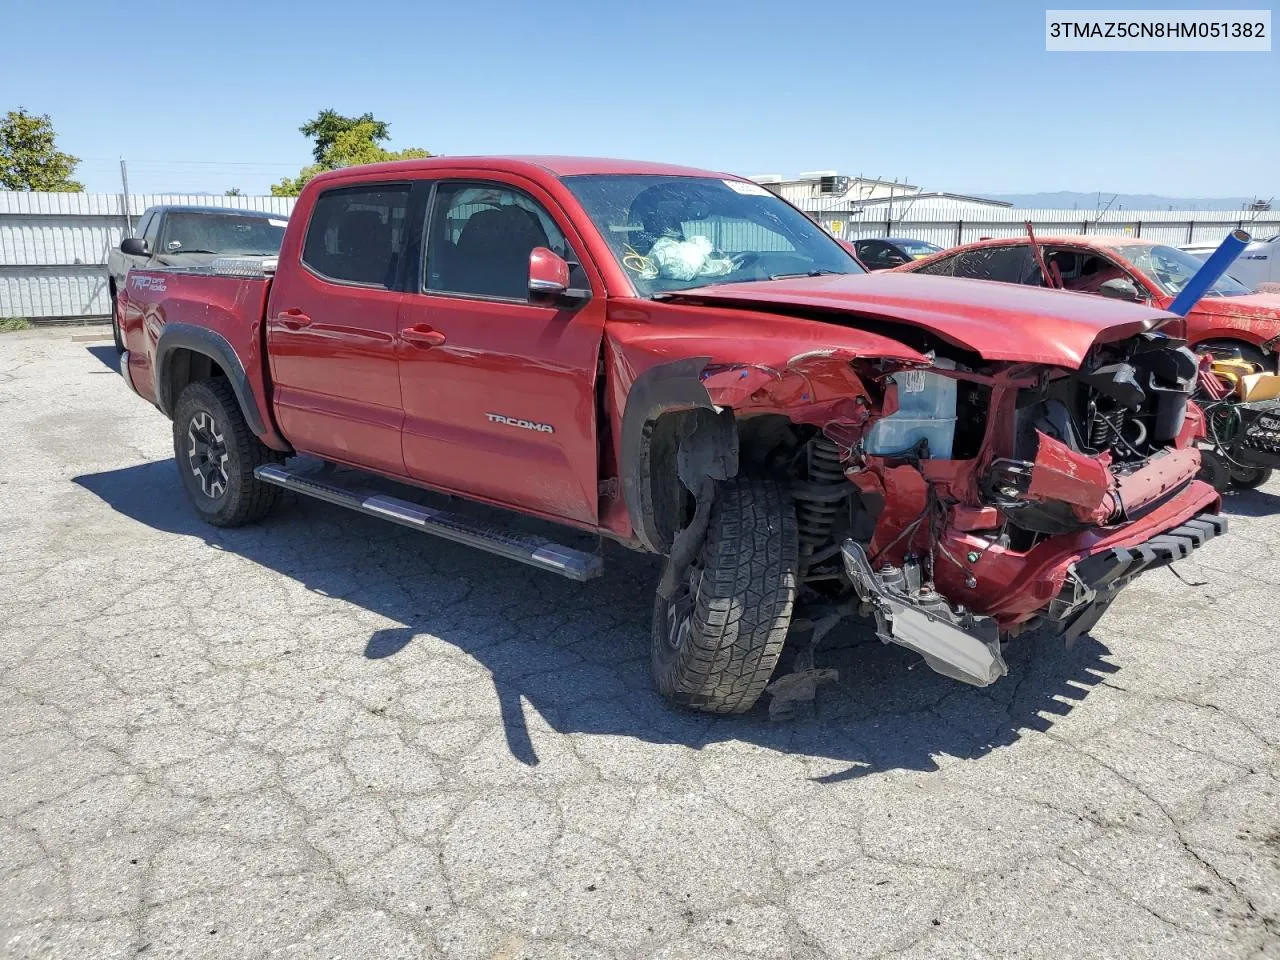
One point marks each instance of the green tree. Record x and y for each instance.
(233, 192)
(343, 142)
(325, 127)
(29, 157)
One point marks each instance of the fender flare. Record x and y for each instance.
(664, 388)
(185, 336)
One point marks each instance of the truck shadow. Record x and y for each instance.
(578, 653)
(1250, 503)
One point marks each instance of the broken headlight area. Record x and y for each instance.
(1092, 447)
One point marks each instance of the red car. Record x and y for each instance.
(1229, 320)
(682, 362)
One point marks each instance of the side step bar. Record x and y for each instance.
(527, 548)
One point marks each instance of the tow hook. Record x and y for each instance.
(954, 642)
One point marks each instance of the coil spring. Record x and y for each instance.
(817, 517)
(1099, 430)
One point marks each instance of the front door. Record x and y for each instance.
(331, 330)
(499, 391)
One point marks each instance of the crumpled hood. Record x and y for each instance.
(998, 321)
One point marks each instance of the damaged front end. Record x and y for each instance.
(959, 502)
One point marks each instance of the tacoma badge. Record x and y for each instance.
(524, 424)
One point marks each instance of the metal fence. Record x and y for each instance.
(949, 227)
(53, 246)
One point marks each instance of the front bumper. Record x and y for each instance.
(1013, 587)
(1094, 582)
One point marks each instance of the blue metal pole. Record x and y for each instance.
(1214, 267)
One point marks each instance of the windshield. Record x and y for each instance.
(677, 233)
(1170, 269)
(222, 233)
(916, 249)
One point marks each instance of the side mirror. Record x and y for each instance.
(548, 274)
(134, 247)
(1120, 289)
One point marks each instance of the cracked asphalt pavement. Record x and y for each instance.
(326, 736)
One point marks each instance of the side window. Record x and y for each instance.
(1006, 264)
(151, 233)
(878, 255)
(946, 267)
(356, 233)
(480, 237)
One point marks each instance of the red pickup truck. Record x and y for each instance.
(682, 362)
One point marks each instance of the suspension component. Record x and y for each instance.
(820, 499)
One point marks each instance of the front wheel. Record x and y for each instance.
(716, 641)
(217, 453)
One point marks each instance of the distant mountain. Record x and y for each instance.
(1073, 200)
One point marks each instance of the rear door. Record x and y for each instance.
(499, 390)
(332, 329)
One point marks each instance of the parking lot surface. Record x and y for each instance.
(327, 736)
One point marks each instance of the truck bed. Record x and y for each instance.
(195, 303)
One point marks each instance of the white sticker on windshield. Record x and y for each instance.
(746, 189)
(278, 223)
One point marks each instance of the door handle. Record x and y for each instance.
(294, 319)
(422, 336)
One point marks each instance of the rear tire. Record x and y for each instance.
(216, 453)
(715, 644)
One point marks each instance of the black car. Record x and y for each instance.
(177, 235)
(881, 253)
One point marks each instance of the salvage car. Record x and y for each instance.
(883, 253)
(1230, 321)
(684, 363)
(172, 234)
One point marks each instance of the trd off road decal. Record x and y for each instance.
(523, 424)
(154, 284)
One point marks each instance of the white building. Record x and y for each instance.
(828, 186)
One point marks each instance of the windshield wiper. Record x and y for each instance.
(806, 273)
(191, 250)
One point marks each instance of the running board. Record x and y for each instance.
(527, 548)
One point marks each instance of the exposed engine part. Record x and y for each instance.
(953, 641)
(1112, 417)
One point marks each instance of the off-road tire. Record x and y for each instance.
(741, 591)
(115, 323)
(243, 498)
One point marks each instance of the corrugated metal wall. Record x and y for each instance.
(950, 224)
(53, 246)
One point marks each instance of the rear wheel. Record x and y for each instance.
(716, 641)
(216, 453)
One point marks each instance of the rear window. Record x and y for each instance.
(356, 234)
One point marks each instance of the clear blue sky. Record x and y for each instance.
(953, 96)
